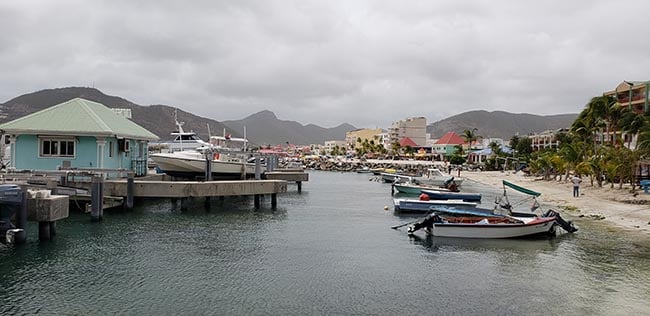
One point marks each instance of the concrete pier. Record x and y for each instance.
(182, 189)
(46, 211)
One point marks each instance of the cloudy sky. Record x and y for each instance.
(367, 63)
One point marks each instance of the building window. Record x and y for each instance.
(53, 147)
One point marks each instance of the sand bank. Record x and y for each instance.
(619, 207)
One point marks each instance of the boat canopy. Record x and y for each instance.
(521, 189)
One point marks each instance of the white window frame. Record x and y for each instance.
(59, 140)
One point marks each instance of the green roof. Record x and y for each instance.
(78, 117)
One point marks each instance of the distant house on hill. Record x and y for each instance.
(446, 145)
(78, 134)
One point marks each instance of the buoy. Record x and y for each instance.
(424, 197)
(385, 207)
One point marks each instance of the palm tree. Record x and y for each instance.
(470, 136)
(633, 123)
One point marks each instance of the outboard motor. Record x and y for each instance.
(11, 200)
(566, 225)
(427, 224)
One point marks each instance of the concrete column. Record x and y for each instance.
(44, 231)
(130, 188)
(97, 198)
(52, 229)
(258, 168)
(21, 220)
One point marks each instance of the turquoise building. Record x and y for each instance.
(77, 134)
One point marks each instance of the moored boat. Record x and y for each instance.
(415, 189)
(486, 227)
(402, 205)
(446, 195)
(435, 177)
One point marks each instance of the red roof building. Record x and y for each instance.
(406, 141)
(450, 138)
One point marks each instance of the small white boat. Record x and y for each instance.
(435, 177)
(486, 227)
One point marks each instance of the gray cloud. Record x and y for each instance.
(328, 62)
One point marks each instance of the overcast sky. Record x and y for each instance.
(326, 62)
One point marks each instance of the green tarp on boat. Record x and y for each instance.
(521, 189)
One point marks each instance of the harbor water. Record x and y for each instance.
(327, 250)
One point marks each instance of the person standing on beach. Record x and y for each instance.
(576, 185)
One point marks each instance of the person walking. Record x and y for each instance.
(576, 185)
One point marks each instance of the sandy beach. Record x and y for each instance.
(617, 207)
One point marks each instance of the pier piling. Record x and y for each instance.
(257, 201)
(130, 187)
(274, 201)
(44, 232)
(21, 220)
(97, 199)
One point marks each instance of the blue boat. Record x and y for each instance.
(420, 206)
(446, 195)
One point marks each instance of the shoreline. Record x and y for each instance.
(614, 206)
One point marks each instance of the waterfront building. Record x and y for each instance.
(545, 139)
(352, 138)
(414, 128)
(633, 95)
(446, 145)
(79, 134)
(331, 144)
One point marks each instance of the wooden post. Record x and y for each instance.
(97, 199)
(274, 201)
(130, 188)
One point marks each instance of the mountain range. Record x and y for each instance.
(264, 127)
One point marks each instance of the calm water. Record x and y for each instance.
(328, 250)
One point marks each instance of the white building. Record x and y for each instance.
(331, 144)
(414, 128)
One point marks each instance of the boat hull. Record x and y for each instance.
(536, 226)
(419, 206)
(192, 167)
(440, 195)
